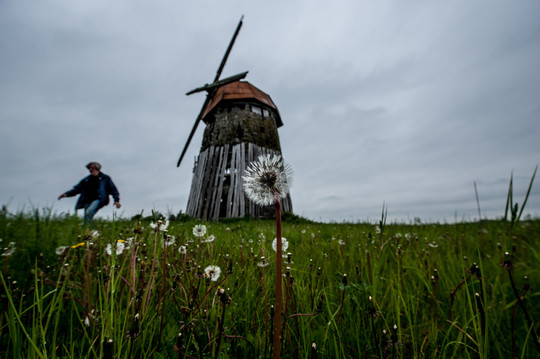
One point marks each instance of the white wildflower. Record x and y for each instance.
(199, 230)
(169, 241)
(9, 250)
(209, 239)
(284, 244)
(119, 248)
(267, 178)
(263, 263)
(182, 249)
(61, 250)
(160, 225)
(212, 272)
(128, 242)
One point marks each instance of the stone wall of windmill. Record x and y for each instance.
(238, 134)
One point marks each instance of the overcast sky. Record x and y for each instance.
(405, 103)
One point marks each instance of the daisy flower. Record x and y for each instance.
(182, 249)
(267, 178)
(284, 244)
(212, 272)
(199, 230)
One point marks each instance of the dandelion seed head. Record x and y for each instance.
(284, 244)
(9, 250)
(118, 249)
(160, 225)
(199, 230)
(212, 272)
(169, 241)
(263, 263)
(210, 239)
(60, 250)
(267, 177)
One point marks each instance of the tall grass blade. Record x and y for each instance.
(527, 195)
(509, 199)
(477, 203)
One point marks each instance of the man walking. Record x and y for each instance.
(94, 192)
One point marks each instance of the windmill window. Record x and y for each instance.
(266, 113)
(256, 110)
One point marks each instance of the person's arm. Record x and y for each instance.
(114, 193)
(74, 191)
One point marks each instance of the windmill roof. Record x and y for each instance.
(240, 90)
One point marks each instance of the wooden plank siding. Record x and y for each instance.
(217, 188)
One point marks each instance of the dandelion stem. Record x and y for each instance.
(524, 310)
(276, 341)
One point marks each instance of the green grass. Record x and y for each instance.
(410, 291)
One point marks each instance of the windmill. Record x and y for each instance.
(241, 124)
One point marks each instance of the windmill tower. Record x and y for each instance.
(241, 124)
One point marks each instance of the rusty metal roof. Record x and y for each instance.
(240, 90)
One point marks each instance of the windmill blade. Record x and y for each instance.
(222, 65)
(206, 101)
(219, 83)
(211, 88)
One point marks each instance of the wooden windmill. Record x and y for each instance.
(241, 124)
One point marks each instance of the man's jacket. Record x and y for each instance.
(106, 187)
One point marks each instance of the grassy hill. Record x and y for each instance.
(140, 288)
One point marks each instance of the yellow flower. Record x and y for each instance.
(78, 245)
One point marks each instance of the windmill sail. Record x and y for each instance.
(210, 89)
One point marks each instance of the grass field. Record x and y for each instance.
(131, 289)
